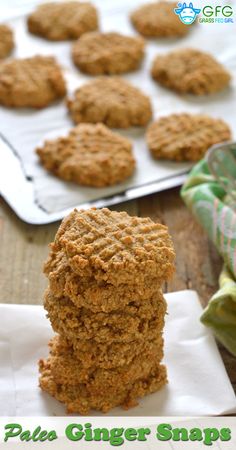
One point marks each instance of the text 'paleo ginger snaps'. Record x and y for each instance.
(112, 101)
(91, 155)
(63, 20)
(190, 71)
(114, 247)
(158, 19)
(31, 82)
(6, 41)
(107, 53)
(185, 137)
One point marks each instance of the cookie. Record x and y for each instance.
(115, 247)
(112, 101)
(6, 41)
(190, 71)
(66, 369)
(91, 294)
(158, 20)
(107, 53)
(32, 82)
(185, 137)
(109, 355)
(63, 20)
(79, 398)
(133, 323)
(91, 155)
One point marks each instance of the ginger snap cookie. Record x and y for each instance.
(190, 71)
(117, 326)
(6, 41)
(112, 101)
(88, 293)
(82, 397)
(158, 20)
(66, 369)
(109, 355)
(63, 20)
(114, 247)
(185, 137)
(91, 155)
(31, 82)
(107, 53)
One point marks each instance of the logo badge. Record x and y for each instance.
(187, 13)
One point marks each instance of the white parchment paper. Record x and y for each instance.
(198, 383)
(25, 129)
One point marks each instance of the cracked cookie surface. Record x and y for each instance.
(185, 137)
(66, 369)
(112, 101)
(90, 293)
(63, 20)
(107, 53)
(79, 398)
(190, 71)
(110, 355)
(132, 323)
(90, 155)
(31, 82)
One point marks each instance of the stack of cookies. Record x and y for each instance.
(104, 300)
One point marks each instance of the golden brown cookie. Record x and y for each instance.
(107, 53)
(66, 369)
(63, 20)
(81, 399)
(190, 71)
(158, 19)
(91, 294)
(32, 82)
(114, 247)
(112, 101)
(90, 155)
(6, 41)
(109, 355)
(132, 323)
(185, 137)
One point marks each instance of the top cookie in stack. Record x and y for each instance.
(115, 248)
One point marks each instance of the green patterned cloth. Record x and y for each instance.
(208, 202)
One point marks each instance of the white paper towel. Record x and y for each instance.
(24, 129)
(198, 383)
